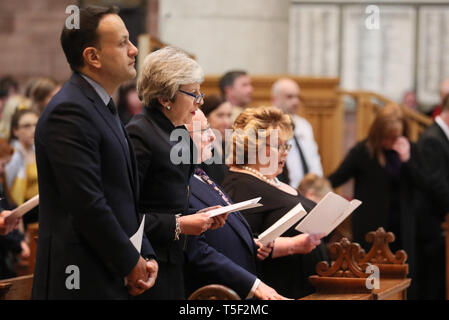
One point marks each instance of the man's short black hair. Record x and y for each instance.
(227, 80)
(74, 41)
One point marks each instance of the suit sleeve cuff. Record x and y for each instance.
(253, 289)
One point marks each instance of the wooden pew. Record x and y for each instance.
(346, 277)
(446, 236)
(214, 292)
(18, 288)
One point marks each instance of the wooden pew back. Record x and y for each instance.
(18, 288)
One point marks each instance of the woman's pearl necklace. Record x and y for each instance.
(275, 181)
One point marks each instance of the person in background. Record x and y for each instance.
(12, 240)
(21, 171)
(314, 187)
(8, 87)
(444, 94)
(218, 113)
(294, 255)
(433, 145)
(388, 179)
(409, 100)
(41, 92)
(128, 103)
(237, 89)
(303, 157)
(14, 103)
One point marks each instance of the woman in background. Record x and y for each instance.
(12, 243)
(21, 171)
(218, 113)
(387, 177)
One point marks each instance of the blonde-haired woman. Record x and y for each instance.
(259, 153)
(169, 87)
(387, 177)
(12, 104)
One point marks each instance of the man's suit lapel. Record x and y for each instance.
(110, 121)
(204, 192)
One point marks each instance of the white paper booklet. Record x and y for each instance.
(25, 207)
(248, 204)
(136, 239)
(283, 224)
(327, 214)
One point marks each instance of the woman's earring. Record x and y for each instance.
(168, 107)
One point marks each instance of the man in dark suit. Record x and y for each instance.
(87, 173)
(226, 255)
(434, 148)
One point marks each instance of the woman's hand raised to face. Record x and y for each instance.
(402, 147)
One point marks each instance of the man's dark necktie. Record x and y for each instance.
(305, 167)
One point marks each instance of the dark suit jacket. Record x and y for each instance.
(434, 149)
(88, 192)
(164, 185)
(226, 255)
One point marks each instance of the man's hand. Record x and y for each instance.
(141, 277)
(263, 251)
(7, 222)
(264, 292)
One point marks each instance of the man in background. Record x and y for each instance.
(236, 88)
(303, 157)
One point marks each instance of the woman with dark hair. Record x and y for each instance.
(385, 167)
(128, 103)
(219, 115)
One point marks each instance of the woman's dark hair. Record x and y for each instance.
(74, 41)
(211, 103)
(18, 114)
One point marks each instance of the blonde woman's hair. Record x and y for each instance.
(253, 127)
(163, 72)
(12, 104)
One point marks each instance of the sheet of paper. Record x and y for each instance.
(244, 205)
(327, 214)
(283, 224)
(352, 206)
(24, 208)
(136, 239)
